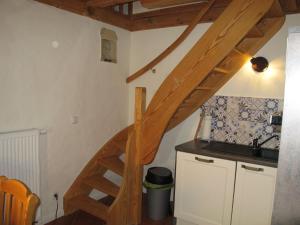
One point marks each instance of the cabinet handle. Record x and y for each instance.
(204, 160)
(253, 168)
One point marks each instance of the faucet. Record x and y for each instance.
(257, 146)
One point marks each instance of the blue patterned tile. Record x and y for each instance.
(271, 105)
(221, 102)
(240, 119)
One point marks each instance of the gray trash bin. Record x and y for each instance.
(158, 182)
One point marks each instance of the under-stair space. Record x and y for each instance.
(242, 29)
(99, 183)
(93, 178)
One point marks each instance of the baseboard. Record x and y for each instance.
(50, 217)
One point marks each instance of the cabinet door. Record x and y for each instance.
(204, 189)
(254, 194)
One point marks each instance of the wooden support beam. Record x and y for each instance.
(130, 9)
(275, 10)
(111, 17)
(74, 6)
(181, 9)
(169, 11)
(166, 17)
(150, 4)
(105, 15)
(173, 46)
(121, 9)
(173, 19)
(289, 5)
(175, 16)
(106, 3)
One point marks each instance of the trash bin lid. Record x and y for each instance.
(159, 175)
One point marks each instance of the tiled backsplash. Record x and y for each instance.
(240, 119)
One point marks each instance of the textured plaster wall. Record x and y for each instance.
(50, 70)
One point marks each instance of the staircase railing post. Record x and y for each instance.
(136, 186)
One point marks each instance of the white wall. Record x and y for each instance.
(42, 86)
(148, 44)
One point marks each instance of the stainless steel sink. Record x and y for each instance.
(242, 150)
(270, 154)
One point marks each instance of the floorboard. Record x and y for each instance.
(82, 218)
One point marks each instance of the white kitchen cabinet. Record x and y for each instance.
(205, 187)
(204, 190)
(254, 194)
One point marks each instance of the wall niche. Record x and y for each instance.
(108, 45)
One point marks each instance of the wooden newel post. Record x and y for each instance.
(136, 190)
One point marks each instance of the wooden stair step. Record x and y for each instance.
(115, 147)
(183, 106)
(120, 144)
(237, 50)
(276, 9)
(113, 163)
(255, 32)
(203, 88)
(90, 206)
(102, 184)
(221, 70)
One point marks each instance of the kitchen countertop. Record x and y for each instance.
(234, 152)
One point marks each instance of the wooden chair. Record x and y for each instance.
(17, 204)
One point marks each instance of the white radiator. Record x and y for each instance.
(19, 158)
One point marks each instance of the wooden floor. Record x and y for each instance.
(82, 218)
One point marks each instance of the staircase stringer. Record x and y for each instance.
(215, 45)
(119, 211)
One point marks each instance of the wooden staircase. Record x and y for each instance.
(243, 28)
(92, 177)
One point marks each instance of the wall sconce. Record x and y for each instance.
(259, 64)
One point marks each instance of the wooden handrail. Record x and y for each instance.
(173, 46)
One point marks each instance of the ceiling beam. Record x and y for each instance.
(150, 4)
(106, 3)
(289, 5)
(175, 16)
(166, 17)
(111, 17)
(275, 10)
(181, 9)
(74, 6)
(105, 15)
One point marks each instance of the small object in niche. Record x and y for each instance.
(108, 46)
